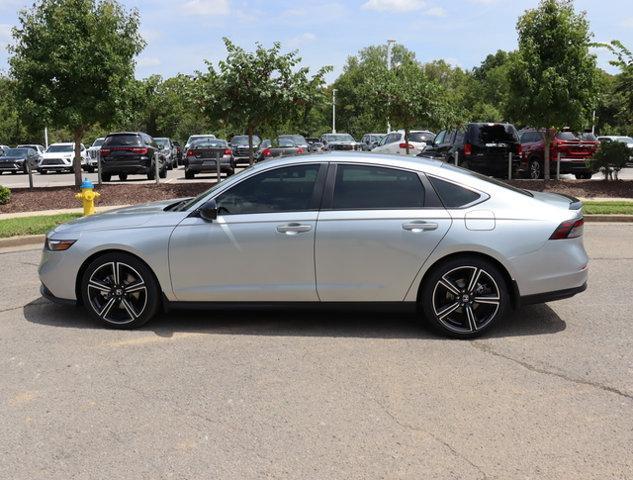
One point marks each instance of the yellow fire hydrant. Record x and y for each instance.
(87, 197)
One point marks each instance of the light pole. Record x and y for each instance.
(389, 45)
(334, 110)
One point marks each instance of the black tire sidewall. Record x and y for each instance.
(153, 292)
(426, 293)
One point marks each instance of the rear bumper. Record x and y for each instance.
(209, 167)
(552, 296)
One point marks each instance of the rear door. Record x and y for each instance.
(376, 228)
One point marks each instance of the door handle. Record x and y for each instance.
(417, 226)
(294, 228)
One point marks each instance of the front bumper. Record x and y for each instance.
(11, 167)
(48, 295)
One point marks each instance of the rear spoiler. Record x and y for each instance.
(575, 203)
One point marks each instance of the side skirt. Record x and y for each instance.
(403, 307)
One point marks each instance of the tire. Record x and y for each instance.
(90, 169)
(189, 174)
(123, 177)
(535, 169)
(120, 291)
(583, 176)
(230, 172)
(452, 308)
(106, 177)
(162, 173)
(43, 172)
(170, 166)
(151, 175)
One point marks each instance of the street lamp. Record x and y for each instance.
(334, 110)
(389, 45)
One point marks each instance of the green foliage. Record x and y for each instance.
(257, 90)
(610, 157)
(37, 225)
(72, 61)
(5, 195)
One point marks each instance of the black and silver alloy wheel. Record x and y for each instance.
(120, 291)
(535, 170)
(464, 298)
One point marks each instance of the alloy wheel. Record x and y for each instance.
(466, 299)
(535, 170)
(117, 293)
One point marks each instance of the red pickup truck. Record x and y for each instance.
(575, 152)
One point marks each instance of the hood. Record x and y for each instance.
(123, 218)
(558, 200)
(58, 154)
(12, 158)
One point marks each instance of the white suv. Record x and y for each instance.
(58, 157)
(394, 142)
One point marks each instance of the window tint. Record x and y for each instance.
(449, 137)
(459, 138)
(482, 135)
(421, 137)
(452, 195)
(122, 140)
(392, 138)
(366, 187)
(440, 137)
(286, 189)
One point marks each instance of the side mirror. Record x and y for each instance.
(209, 211)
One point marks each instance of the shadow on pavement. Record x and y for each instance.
(531, 320)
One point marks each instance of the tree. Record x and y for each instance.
(406, 97)
(256, 90)
(553, 75)
(610, 158)
(72, 61)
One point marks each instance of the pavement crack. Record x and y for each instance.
(533, 368)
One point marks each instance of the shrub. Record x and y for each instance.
(5, 195)
(610, 158)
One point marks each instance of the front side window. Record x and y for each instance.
(440, 138)
(360, 187)
(287, 189)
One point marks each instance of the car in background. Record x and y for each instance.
(480, 147)
(282, 146)
(4, 148)
(394, 143)
(371, 140)
(340, 142)
(19, 159)
(178, 153)
(458, 249)
(35, 146)
(92, 162)
(126, 153)
(619, 138)
(315, 145)
(197, 137)
(169, 151)
(204, 155)
(59, 157)
(299, 140)
(574, 153)
(239, 145)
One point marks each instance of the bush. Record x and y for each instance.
(610, 158)
(5, 195)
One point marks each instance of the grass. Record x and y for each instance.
(13, 227)
(608, 208)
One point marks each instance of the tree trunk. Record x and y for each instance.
(78, 134)
(549, 135)
(250, 146)
(406, 139)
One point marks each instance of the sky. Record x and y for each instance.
(181, 34)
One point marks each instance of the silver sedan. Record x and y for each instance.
(326, 231)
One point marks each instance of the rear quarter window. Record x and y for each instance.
(453, 195)
(122, 140)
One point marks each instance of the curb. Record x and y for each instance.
(609, 218)
(22, 241)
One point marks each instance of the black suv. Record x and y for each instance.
(481, 147)
(131, 153)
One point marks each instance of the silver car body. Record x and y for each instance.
(251, 258)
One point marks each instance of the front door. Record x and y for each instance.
(374, 234)
(260, 248)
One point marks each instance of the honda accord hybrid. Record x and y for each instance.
(327, 231)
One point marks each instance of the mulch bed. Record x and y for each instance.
(48, 198)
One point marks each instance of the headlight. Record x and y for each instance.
(58, 245)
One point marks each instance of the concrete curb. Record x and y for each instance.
(609, 218)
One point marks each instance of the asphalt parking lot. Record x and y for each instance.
(173, 176)
(548, 394)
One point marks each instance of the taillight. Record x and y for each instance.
(519, 150)
(404, 145)
(300, 151)
(468, 149)
(140, 150)
(569, 229)
(104, 151)
(190, 153)
(228, 151)
(266, 152)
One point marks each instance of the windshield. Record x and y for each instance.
(60, 149)
(494, 181)
(98, 142)
(16, 152)
(483, 135)
(568, 136)
(208, 143)
(421, 137)
(242, 140)
(338, 137)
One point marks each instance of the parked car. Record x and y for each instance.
(203, 155)
(59, 157)
(574, 153)
(617, 138)
(179, 155)
(239, 145)
(299, 141)
(340, 141)
(382, 231)
(126, 153)
(4, 148)
(92, 162)
(40, 149)
(282, 146)
(315, 145)
(197, 137)
(371, 140)
(480, 147)
(169, 151)
(394, 143)
(17, 160)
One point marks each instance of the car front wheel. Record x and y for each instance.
(120, 291)
(464, 297)
(535, 170)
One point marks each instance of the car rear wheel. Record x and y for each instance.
(43, 172)
(535, 170)
(464, 297)
(162, 173)
(106, 177)
(123, 177)
(120, 291)
(189, 174)
(583, 176)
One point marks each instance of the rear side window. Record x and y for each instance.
(482, 135)
(122, 140)
(453, 195)
(421, 137)
(360, 187)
